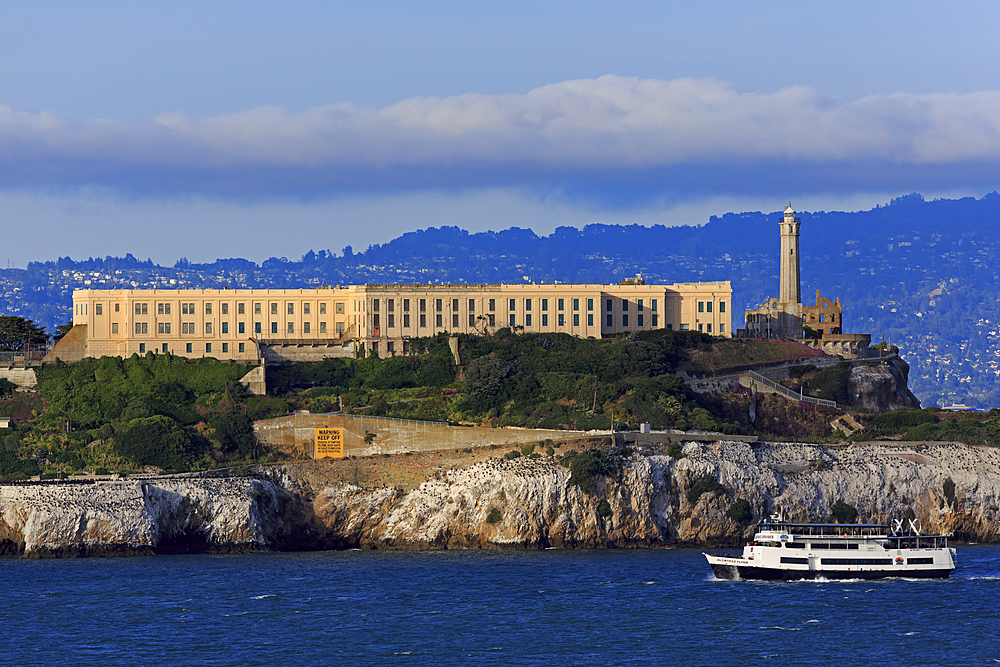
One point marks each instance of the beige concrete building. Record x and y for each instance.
(307, 324)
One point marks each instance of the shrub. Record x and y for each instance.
(707, 483)
(513, 454)
(550, 452)
(493, 516)
(102, 471)
(949, 490)
(604, 509)
(675, 451)
(585, 467)
(901, 420)
(740, 511)
(158, 441)
(526, 450)
(844, 513)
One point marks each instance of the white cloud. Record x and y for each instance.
(610, 122)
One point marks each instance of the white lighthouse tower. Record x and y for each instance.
(790, 287)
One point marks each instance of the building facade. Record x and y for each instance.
(245, 325)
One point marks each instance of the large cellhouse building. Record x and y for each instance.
(309, 324)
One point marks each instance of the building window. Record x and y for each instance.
(243, 348)
(513, 305)
(98, 310)
(256, 328)
(322, 327)
(140, 309)
(527, 320)
(708, 328)
(340, 327)
(576, 304)
(376, 322)
(274, 327)
(472, 305)
(114, 327)
(184, 328)
(339, 309)
(225, 327)
(306, 309)
(638, 320)
(545, 304)
(609, 308)
(116, 307)
(562, 320)
(624, 306)
(576, 319)
(701, 327)
(438, 320)
(454, 304)
(722, 327)
(624, 320)
(208, 327)
(492, 304)
(242, 329)
(184, 309)
(208, 309)
(454, 321)
(438, 305)
(638, 305)
(511, 324)
(375, 347)
(652, 305)
(322, 309)
(559, 304)
(472, 320)
(611, 321)
(392, 320)
(406, 320)
(655, 318)
(141, 328)
(590, 304)
(163, 309)
(291, 327)
(208, 348)
(685, 327)
(291, 308)
(165, 347)
(491, 318)
(406, 305)
(708, 307)
(423, 320)
(590, 320)
(164, 327)
(306, 328)
(390, 347)
(545, 317)
(406, 347)
(225, 348)
(374, 305)
(423, 305)
(701, 306)
(722, 307)
(390, 305)
(225, 309)
(142, 348)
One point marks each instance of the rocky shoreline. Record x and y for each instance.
(485, 501)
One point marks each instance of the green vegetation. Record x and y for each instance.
(18, 334)
(493, 516)
(707, 483)
(587, 466)
(844, 513)
(604, 509)
(740, 511)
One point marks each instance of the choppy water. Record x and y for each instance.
(493, 608)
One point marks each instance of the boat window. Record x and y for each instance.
(796, 561)
(795, 545)
(838, 545)
(919, 561)
(856, 561)
(852, 546)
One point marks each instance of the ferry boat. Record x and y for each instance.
(784, 550)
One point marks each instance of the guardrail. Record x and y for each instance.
(782, 389)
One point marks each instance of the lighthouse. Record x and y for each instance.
(790, 288)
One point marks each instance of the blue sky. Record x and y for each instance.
(254, 129)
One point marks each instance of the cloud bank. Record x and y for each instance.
(610, 137)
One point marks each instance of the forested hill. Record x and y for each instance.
(923, 273)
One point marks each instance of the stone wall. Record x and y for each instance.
(294, 434)
(22, 377)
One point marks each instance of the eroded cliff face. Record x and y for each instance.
(144, 517)
(952, 489)
(648, 498)
(883, 387)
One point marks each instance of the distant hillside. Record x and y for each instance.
(923, 273)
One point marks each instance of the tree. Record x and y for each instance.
(18, 334)
(62, 330)
(485, 376)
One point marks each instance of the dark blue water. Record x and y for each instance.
(493, 608)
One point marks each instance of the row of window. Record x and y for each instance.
(189, 348)
(706, 306)
(189, 308)
(190, 328)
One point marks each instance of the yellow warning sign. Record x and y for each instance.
(329, 443)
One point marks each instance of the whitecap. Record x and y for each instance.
(261, 597)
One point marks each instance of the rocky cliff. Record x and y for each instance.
(525, 502)
(882, 387)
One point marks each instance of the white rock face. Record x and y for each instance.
(144, 516)
(649, 504)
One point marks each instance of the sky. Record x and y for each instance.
(257, 129)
